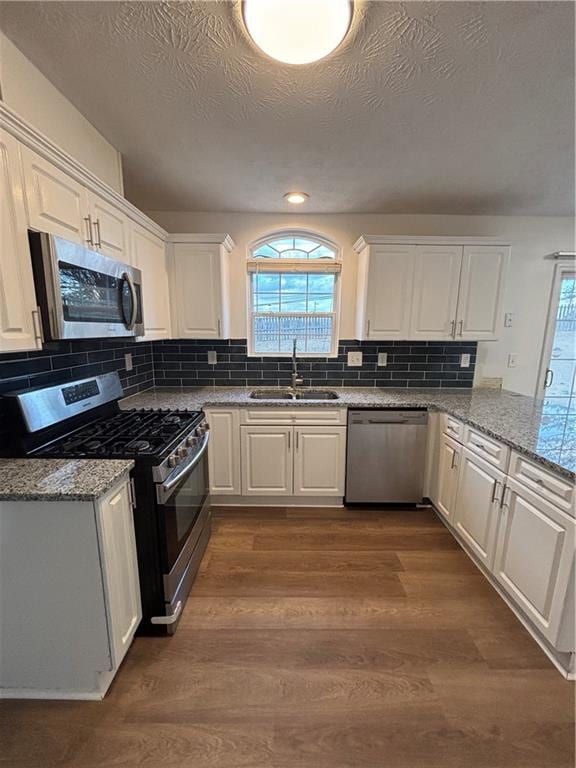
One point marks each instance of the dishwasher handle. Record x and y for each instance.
(415, 417)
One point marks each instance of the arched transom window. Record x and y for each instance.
(293, 295)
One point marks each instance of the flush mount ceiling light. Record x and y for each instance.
(297, 31)
(296, 198)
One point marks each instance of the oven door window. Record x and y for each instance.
(91, 297)
(179, 512)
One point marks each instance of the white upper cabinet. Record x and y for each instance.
(19, 329)
(200, 286)
(481, 292)
(149, 256)
(110, 229)
(429, 288)
(435, 291)
(56, 203)
(385, 278)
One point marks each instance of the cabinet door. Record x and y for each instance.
(267, 461)
(17, 295)
(481, 292)
(110, 229)
(149, 256)
(535, 556)
(449, 461)
(120, 569)
(319, 461)
(224, 451)
(197, 282)
(56, 203)
(477, 505)
(436, 279)
(389, 291)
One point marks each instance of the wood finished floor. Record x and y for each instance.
(320, 639)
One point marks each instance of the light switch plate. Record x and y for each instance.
(212, 357)
(354, 359)
(465, 361)
(382, 359)
(512, 360)
(128, 361)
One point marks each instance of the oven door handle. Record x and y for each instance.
(175, 479)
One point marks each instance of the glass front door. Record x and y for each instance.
(557, 384)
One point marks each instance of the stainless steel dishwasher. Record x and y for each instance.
(386, 455)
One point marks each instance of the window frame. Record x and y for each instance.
(288, 266)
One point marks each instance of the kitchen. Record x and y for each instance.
(287, 383)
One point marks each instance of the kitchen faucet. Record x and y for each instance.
(296, 379)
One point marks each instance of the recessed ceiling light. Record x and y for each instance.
(296, 198)
(297, 31)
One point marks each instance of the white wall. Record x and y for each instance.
(528, 286)
(33, 97)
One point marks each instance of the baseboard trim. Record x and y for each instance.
(222, 500)
(565, 662)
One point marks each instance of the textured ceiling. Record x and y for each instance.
(434, 107)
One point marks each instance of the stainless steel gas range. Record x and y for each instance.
(82, 419)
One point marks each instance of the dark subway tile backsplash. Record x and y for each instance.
(184, 363)
(67, 360)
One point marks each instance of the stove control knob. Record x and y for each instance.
(191, 441)
(200, 430)
(172, 460)
(182, 452)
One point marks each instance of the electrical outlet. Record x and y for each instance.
(465, 361)
(508, 320)
(382, 359)
(128, 361)
(512, 359)
(354, 359)
(212, 357)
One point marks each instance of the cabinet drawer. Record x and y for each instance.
(296, 416)
(451, 427)
(491, 450)
(549, 486)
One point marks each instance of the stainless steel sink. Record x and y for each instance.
(270, 394)
(302, 394)
(316, 394)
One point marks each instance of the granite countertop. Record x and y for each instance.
(540, 431)
(59, 479)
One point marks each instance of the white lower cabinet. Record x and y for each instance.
(477, 505)
(299, 460)
(535, 557)
(224, 451)
(319, 461)
(74, 600)
(267, 463)
(119, 569)
(448, 467)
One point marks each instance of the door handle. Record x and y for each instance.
(98, 242)
(452, 328)
(134, 295)
(549, 378)
(495, 491)
(168, 619)
(88, 220)
(38, 334)
(460, 326)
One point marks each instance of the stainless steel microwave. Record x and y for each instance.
(83, 294)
